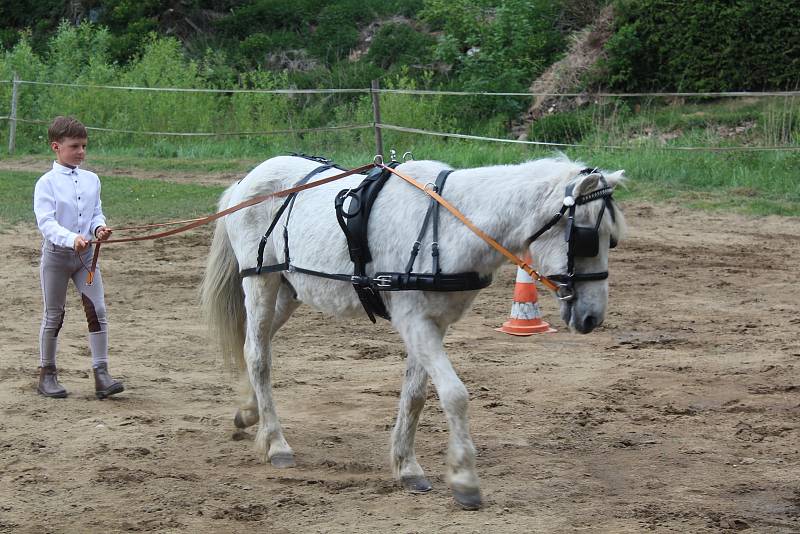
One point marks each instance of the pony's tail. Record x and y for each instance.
(221, 294)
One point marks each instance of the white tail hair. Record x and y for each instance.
(221, 294)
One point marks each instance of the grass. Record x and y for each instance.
(755, 183)
(125, 200)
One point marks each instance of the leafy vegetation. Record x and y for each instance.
(715, 45)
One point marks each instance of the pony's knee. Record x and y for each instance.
(454, 397)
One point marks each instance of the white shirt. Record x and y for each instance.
(66, 202)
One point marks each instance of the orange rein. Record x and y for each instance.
(519, 262)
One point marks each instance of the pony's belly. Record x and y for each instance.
(331, 297)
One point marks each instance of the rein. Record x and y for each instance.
(194, 223)
(519, 262)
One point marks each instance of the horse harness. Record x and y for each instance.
(583, 241)
(353, 208)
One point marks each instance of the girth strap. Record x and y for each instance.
(431, 282)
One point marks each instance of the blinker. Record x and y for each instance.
(584, 242)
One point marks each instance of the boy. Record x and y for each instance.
(66, 202)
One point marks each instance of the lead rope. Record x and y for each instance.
(516, 260)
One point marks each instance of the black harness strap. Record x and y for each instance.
(433, 209)
(353, 221)
(289, 202)
(468, 281)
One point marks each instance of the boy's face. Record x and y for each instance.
(70, 151)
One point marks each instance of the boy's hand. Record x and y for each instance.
(102, 233)
(80, 244)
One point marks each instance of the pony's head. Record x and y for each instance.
(572, 248)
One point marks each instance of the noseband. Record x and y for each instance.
(583, 241)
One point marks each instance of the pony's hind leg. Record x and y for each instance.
(286, 304)
(260, 302)
(423, 339)
(412, 401)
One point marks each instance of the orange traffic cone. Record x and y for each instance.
(526, 318)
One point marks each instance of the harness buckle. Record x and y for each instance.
(383, 281)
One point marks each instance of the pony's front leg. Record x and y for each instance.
(423, 340)
(412, 401)
(260, 296)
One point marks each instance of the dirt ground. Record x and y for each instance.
(680, 414)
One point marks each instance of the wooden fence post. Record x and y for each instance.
(376, 116)
(12, 119)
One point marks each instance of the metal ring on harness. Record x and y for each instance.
(569, 292)
(378, 159)
(353, 200)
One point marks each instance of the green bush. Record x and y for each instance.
(337, 32)
(716, 45)
(566, 127)
(495, 46)
(400, 43)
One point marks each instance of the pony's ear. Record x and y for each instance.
(587, 184)
(616, 178)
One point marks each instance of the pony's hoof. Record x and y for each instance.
(416, 484)
(282, 461)
(469, 499)
(240, 422)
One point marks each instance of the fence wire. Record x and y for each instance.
(404, 129)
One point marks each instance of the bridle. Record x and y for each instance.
(582, 241)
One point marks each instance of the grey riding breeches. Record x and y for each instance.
(57, 266)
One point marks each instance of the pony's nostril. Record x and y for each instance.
(589, 323)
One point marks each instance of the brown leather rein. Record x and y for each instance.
(194, 223)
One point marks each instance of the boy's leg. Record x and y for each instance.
(54, 274)
(93, 299)
(94, 305)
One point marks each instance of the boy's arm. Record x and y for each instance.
(98, 219)
(44, 207)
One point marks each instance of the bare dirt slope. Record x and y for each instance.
(679, 415)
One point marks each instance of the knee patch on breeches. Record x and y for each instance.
(59, 324)
(92, 316)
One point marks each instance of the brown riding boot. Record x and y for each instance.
(48, 383)
(104, 385)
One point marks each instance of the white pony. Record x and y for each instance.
(508, 202)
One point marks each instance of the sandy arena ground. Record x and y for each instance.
(680, 414)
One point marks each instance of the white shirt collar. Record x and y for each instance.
(63, 169)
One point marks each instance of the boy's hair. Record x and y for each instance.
(62, 127)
